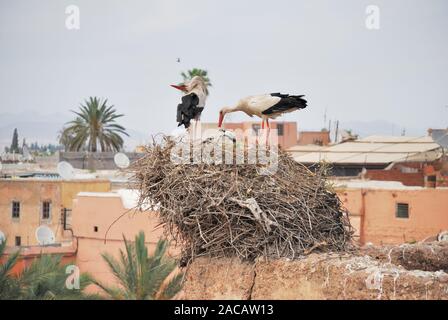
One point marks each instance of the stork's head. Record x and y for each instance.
(195, 83)
(222, 113)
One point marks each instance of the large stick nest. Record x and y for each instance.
(233, 210)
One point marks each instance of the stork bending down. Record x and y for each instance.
(266, 106)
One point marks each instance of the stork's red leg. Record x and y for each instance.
(269, 131)
(262, 124)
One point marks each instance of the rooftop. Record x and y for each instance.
(373, 184)
(129, 197)
(372, 150)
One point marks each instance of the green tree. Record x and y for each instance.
(43, 279)
(66, 137)
(9, 286)
(94, 127)
(186, 76)
(15, 142)
(142, 276)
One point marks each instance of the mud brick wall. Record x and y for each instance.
(319, 276)
(408, 179)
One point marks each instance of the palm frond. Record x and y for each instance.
(140, 275)
(172, 288)
(94, 126)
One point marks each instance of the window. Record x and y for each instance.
(280, 129)
(15, 208)
(402, 210)
(95, 228)
(46, 210)
(18, 241)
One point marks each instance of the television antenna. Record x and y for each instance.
(45, 235)
(121, 160)
(66, 170)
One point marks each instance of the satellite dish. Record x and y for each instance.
(440, 136)
(65, 170)
(121, 160)
(442, 236)
(2, 237)
(44, 235)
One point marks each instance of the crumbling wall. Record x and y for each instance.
(420, 256)
(228, 279)
(318, 276)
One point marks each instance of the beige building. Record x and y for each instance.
(370, 153)
(320, 138)
(28, 203)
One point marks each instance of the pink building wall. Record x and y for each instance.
(107, 211)
(372, 213)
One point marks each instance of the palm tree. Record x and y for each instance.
(9, 287)
(94, 126)
(197, 72)
(43, 279)
(66, 136)
(142, 276)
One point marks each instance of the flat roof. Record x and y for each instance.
(372, 150)
(372, 184)
(396, 139)
(129, 197)
(306, 148)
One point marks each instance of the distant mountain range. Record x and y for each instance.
(41, 128)
(379, 127)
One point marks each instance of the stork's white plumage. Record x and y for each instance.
(193, 100)
(266, 106)
(197, 86)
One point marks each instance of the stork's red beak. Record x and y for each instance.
(221, 118)
(181, 87)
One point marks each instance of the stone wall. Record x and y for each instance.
(94, 160)
(318, 276)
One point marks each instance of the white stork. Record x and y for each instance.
(266, 106)
(193, 101)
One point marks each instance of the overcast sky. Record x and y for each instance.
(127, 51)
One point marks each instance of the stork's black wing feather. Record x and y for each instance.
(188, 109)
(287, 103)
